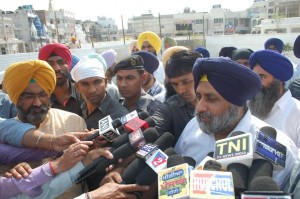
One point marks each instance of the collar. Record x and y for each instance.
(244, 124)
(177, 101)
(103, 107)
(154, 87)
(73, 92)
(283, 100)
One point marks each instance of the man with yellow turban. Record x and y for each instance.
(151, 42)
(29, 85)
(65, 96)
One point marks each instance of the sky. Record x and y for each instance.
(90, 9)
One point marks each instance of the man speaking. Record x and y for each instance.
(222, 89)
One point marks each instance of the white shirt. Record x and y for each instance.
(197, 144)
(159, 74)
(285, 116)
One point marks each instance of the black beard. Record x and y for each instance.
(262, 104)
(31, 117)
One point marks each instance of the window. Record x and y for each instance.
(218, 20)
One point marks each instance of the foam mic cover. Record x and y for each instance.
(240, 174)
(165, 141)
(212, 165)
(150, 121)
(190, 161)
(170, 151)
(270, 131)
(263, 183)
(210, 154)
(260, 167)
(174, 160)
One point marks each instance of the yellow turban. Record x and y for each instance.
(18, 75)
(152, 38)
(169, 52)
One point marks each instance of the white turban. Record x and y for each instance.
(86, 68)
(110, 57)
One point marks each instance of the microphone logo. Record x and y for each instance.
(159, 159)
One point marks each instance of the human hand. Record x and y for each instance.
(95, 154)
(20, 170)
(62, 142)
(113, 176)
(113, 190)
(71, 156)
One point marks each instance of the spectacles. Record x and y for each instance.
(59, 62)
(30, 97)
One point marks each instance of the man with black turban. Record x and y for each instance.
(274, 103)
(65, 96)
(222, 89)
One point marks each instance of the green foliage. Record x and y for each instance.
(287, 47)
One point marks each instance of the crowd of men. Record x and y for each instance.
(49, 106)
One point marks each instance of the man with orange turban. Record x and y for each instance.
(29, 85)
(65, 96)
(151, 42)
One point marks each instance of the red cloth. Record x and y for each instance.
(56, 48)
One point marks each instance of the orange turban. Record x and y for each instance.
(152, 38)
(18, 75)
(58, 49)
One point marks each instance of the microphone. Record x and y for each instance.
(190, 161)
(212, 165)
(137, 123)
(260, 168)
(207, 158)
(240, 173)
(238, 148)
(123, 151)
(107, 130)
(268, 148)
(123, 120)
(264, 187)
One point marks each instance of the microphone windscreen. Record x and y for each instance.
(132, 170)
(263, 183)
(170, 151)
(165, 141)
(150, 121)
(210, 154)
(151, 134)
(116, 123)
(190, 161)
(236, 133)
(270, 131)
(260, 167)
(212, 165)
(240, 174)
(143, 115)
(174, 160)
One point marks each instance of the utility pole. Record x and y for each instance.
(58, 40)
(203, 25)
(159, 30)
(123, 29)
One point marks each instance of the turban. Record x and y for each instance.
(203, 51)
(86, 68)
(243, 53)
(170, 41)
(152, 38)
(100, 59)
(233, 81)
(73, 38)
(276, 42)
(18, 76)
(75, 60)
(151, 63)
(132, 44)
(58, 49)
(110, 57)
(226, 51)
(169, 52)
(130, 63)
(274, 63)
(297, 47)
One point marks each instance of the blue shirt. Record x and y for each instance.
(7, 108)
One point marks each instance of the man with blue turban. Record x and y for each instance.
(222, 89)
(274, 44)
(274, 103)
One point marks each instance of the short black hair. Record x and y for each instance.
(181, 63)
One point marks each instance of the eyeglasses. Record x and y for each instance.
(30, 97)
(59, 62)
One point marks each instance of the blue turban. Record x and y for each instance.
(203, 51)
(297, 47)
(274, 63)
(233, 81)
(276, 42)
(151, 62)
(75, 60)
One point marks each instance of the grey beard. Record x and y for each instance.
(262, 104)
(218, 123)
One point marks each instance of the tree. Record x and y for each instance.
(187, 10)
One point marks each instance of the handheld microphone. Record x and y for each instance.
(123, 120)
(207, 158)
(240, 173)
(268, 148)
(107, 130)
(212, 165)
(123, 151)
